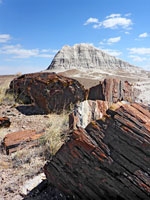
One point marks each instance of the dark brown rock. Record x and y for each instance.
(18, 140)
(48, 91)
(4, 122)
(110, 159)
(112, 90)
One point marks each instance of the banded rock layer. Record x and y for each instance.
(112, 90)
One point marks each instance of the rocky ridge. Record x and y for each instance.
(87, 56)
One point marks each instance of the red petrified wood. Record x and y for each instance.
(109, 159)
(18, 140)
(48, 91)
(112, 90)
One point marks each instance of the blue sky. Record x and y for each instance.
(31, 31)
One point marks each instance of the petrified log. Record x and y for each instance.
(18, 140)
(4, 122)
(87, 111)
(112, 90)
(110, 159)
(49, 91)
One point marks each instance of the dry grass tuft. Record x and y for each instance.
(56, 133)
(4, 95)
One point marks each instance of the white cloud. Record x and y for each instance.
(139, 51)
(146, 67)
(112, 21)
(137, 58)
(91, 20)
(45, 56)
(113, 15)
(110, 41)
(143, 35)
(112, 52)
(97, 25)
(113, 40)
(4, 38)
(116, 22)
(127, 33)
(18, 52)
(49, 50)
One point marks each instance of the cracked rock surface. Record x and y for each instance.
(109, 159)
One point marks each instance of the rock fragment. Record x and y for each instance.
(17, 140)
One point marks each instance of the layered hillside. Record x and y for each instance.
(87, 56)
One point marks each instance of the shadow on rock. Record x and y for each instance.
(30, 110)
(46, 192)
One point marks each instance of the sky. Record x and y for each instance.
(32, 31)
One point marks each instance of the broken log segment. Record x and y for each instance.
(109, 159)
(18, 140)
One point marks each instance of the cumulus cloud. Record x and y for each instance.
(49, 50)
(17, 51)
(112, 21)
(113, 40)
(139, 51)
(110, 41)
(143, 35)
(137, 58)
(112, 52)
(113, 15)
(4, 38)
(45, 56)
(91, 20)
